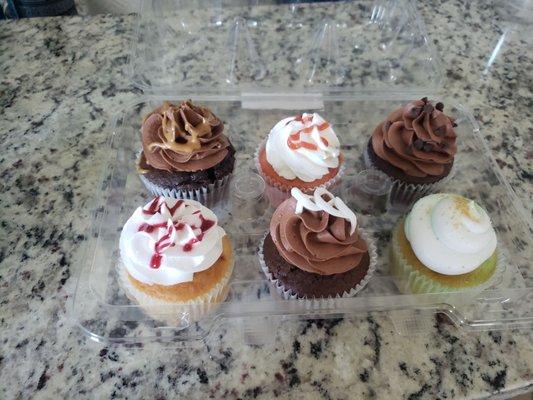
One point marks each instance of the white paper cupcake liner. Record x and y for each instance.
(402, 193)
(277, 193)
(209, 195)
(407, 278)
(289, 294)
(181, 314)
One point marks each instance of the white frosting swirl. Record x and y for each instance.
(450, 234)
(303, 147)
(184, 236)
(323, 200)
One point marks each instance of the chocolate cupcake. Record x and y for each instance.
(314, 248)
(415, 146)
(185, 153)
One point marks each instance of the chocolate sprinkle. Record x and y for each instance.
(418, 144)
(414, 112)
(440, 131)
(427, 147)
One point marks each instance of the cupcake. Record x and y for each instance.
(185, 154)
(314, 248)
(300, 152)
(173, 253)
(445, 244)
(415, 146)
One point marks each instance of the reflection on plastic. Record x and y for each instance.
(244, 60)
(249, 203)
(367, 192)
(323, 57)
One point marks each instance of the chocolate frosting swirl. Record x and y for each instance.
(419, 139)
(183, 138)
(316, 241)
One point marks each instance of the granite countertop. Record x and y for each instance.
(58, 91)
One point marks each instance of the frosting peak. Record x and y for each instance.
(303, 147)
(419, 139)
(168, 240)
(450, 234)
(311, 238)
(183, 138)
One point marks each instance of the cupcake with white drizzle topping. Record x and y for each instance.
(173, 252)
(315, 249)
(446, 243)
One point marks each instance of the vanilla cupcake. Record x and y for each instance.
(446, 243)
(173, 253)
(300, 152)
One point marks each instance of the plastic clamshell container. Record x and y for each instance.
(253, 48)
(353, 62)
(101, 306)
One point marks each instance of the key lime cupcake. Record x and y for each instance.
(445, 244)
(176, 261)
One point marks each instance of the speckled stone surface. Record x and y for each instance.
(58, 92)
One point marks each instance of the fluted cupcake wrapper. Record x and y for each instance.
(289, 294)
(411, 281)
(407, 193)
(180, 314)
(277, 193)
(209, 195)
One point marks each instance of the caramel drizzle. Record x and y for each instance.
(169, 133)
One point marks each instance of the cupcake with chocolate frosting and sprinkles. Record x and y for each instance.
(185, 153)
(315, 249)
(415, 146)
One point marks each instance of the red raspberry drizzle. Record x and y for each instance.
(146, 227)
(160, 245)
(294, 141)
(155, 206)
(164, 242)
(155, 261)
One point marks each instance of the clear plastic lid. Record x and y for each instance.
(356, 48)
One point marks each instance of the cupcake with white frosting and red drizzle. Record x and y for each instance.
(301, 152)
(173, 252)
